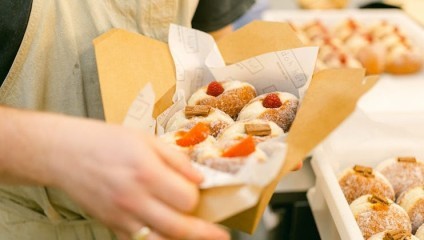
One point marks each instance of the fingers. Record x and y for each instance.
(175, 225)
(168, 186)
(177, 160)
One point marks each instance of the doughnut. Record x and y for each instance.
(186, 118)
(375, 214)
(393, 235)
(228, 96)
(412, 201)
(278, 107)
(402, 59)
(360, 180)
(420, 232)
(229, 156)
(187, 140)
(261, 130)
(402, 173)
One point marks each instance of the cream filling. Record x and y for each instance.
(238, 130)
(179, 119)
(255, 107)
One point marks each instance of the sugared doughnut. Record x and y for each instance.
(228, 96)
(187, 140)
(420, 232)
(401, 59)
(403, 173)
(393, 235)
(186, 118)
(376, 214)
(278, 107)
(412, 201)
(361, 180)
(261, 130)
(230, 155)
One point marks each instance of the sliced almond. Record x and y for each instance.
(366, 171)
(260, 130)
(377, 199)
(407, 159)
(197, 110)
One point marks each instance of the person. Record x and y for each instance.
(67, 177)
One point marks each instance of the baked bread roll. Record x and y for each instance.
(360, 180)
(377, 214)
(278, 107)
(403, 173)
(228, 96)
(412, 201)
(186, 118)
(393, 235)
(261, 130)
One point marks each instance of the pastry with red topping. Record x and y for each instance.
(186, 118)
(229, 155)
(228, 96)
(187, 140)
(278, 107)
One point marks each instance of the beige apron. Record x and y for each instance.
(55, 71)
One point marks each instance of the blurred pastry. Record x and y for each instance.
(278, 107)
(393, 235)
(261, 130)
(412, 201)
(403, 173)
(361, 180)
(420, 232)
(228, 96)
(186, 118)
(376, 214)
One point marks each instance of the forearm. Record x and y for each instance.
(27, 140)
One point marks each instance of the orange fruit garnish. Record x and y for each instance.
(244, 148)
(196, 135)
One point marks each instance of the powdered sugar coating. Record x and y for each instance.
(217, 121)
(402, 175)
(282, 116)
(355, 184)
(412, 201)
(235, 96)
(380, 236)
(373, 218)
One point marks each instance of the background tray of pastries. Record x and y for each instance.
(372, 181)
(373, 39)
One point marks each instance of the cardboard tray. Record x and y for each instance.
(128, 61)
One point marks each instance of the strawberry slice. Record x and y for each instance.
(196, 135)
(244, 148)
(215, 89)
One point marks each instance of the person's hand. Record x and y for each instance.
(129, 180)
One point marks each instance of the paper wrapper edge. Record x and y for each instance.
(126, 62)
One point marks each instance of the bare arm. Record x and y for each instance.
(135, 175)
